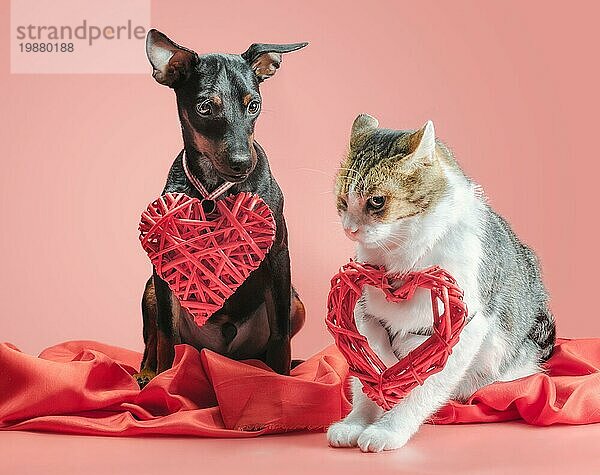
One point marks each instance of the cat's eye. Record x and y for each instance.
(253, 107)
(205, 108)
(376, 202)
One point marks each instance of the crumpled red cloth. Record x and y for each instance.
(86, 387)
(568, 393)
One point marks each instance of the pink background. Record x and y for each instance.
(512, 88)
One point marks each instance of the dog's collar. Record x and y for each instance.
(209, 197)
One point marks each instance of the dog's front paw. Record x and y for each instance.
(344, 434)
(376, 439)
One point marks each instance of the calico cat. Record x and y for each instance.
(405, 201)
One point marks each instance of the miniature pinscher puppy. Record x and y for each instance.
(218, 100)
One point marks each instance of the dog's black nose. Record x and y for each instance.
(240, 164)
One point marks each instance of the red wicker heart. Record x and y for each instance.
(205, 258)
(387, 386)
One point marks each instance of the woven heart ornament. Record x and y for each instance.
(205, 257)
(389, 385)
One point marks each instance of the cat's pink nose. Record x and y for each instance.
(351, 233)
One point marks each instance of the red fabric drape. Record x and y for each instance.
(569, 393)
(86, 387)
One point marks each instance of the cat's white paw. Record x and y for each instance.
(344, 434)
(376, 439)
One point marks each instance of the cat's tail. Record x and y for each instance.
(543, 333)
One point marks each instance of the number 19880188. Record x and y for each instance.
(46, 47)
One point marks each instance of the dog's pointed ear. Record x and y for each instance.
(265, 59)
(171, 63)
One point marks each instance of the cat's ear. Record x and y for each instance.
(363, 124)
(170, 62)
(423, 145)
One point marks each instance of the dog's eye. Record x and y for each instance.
(204, 108)
(376, 202)
(253, 107)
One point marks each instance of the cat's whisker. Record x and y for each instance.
(353, 175)
(348, 169)
(349, 177)
(383, 247)
(315, 170)
(397, 239)
(356, 182)
(395, 242)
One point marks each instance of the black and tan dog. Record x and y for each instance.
(218, 100)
